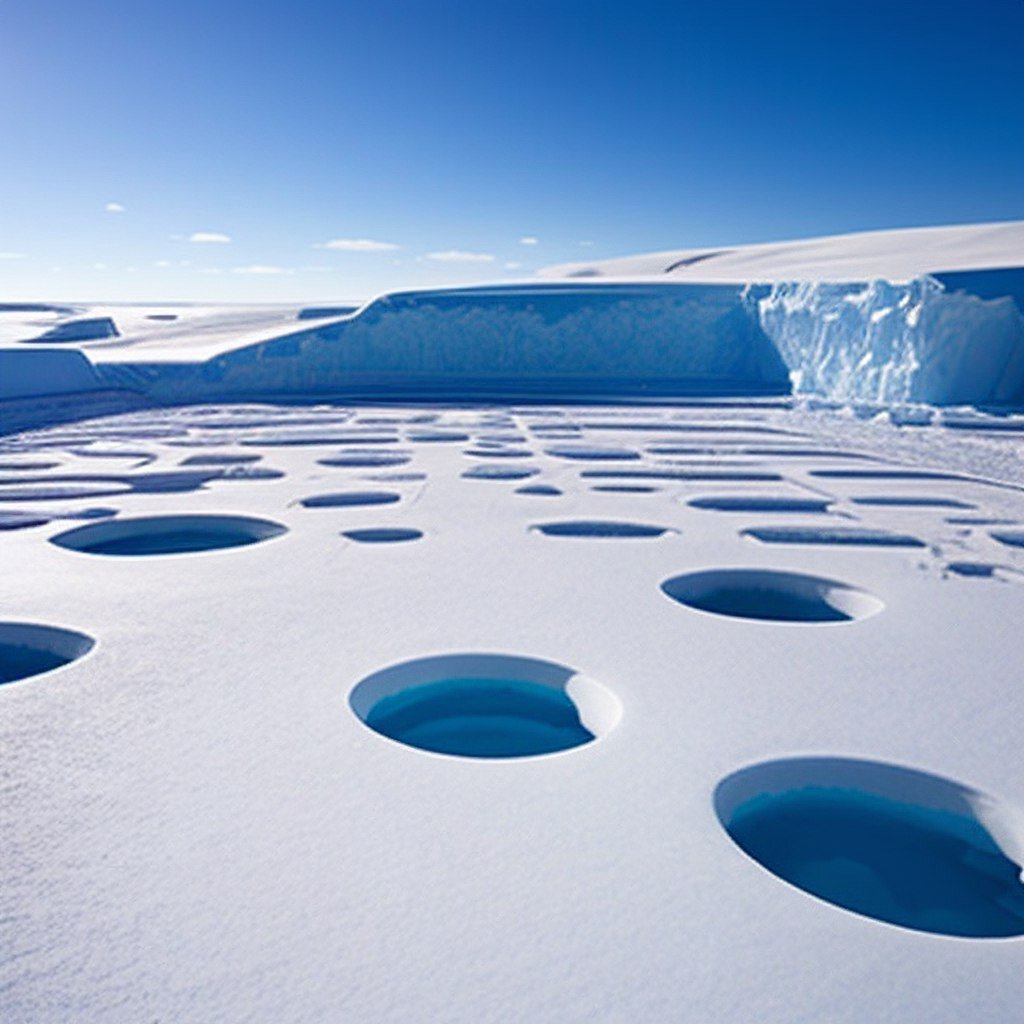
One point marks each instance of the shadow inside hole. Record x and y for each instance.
(600, 528)
(485, 706)
(28, 650)
(383, 535)
(771, 596)
(886, 842)
(168, 535)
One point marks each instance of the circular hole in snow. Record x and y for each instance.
(486, 706)
(29, 650)
(168, 535)
(890, 843)
(383, 534)
(771, 595)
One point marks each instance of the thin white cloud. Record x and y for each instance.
(99, 266)
(12, 255)
(528, 240)
(114, 208)
(460, 256)
(208, 236)
(262, 269)
(357, 245)
(512, 265)
(162, 263)
(586, 242)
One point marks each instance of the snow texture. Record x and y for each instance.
(199, 827)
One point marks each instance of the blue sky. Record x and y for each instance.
(446, 141)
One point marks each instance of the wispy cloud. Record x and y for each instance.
(99, 266)
(460, 256)
(208, 236)
(528, 240)
(586, 242)
(512, 265)
(262, 269)
(12, 255)
(162, 263)
(114, 208)
(357, 245)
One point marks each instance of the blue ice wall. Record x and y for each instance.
(514, 342)
(944, 339)
(955, 338)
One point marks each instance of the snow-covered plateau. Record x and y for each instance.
(226, 627)
(636, 644)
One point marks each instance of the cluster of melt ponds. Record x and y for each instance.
(884, 841)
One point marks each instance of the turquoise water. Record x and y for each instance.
(929, 870)
(481, 718)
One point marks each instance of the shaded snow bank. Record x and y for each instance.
(929, 340)
(517, 342)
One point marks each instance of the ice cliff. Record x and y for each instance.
(935, 339)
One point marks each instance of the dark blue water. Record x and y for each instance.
(383, 534)
(169, 542)
(751, 602)
(481, 718)
(348, 499)
(600, 528)
(929, 870)
(20, 662)
(854, 536)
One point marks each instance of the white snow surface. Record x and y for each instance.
(893, 255)
(198, 827)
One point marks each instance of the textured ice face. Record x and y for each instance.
(895, 343)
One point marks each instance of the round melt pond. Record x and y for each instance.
(771, 595)
(886, 842)
(28, 650)
(486, 706)
(168, 535)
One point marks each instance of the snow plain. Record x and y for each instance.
(200, 820)
(199, 827)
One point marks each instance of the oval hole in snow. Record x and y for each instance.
(383, 534)
(760, 503)
(890, 843)
(348, 499)
(168, 535)
(28, 650)
(485, 706)
(600, 528)
(771, 595)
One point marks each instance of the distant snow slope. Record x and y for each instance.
(863, 256)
